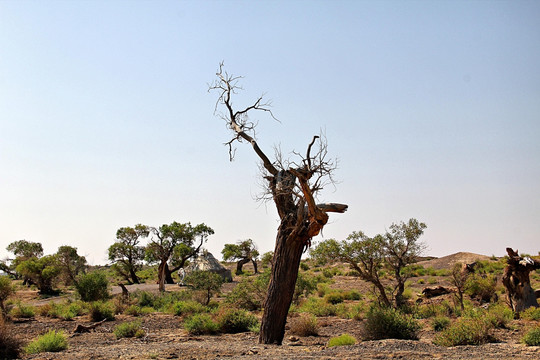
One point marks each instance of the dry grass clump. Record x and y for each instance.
(305, 325)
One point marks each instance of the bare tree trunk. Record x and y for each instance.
(254, 262)
(240, 265)
(287, 255)
(133, 276)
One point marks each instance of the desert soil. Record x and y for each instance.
(166, 339)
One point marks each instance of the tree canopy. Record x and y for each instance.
(393, 250)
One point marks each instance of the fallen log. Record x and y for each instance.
(86, 328)
(437, 291)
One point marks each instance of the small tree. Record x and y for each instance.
(362, 253)
(70, 263)
(394, 250)
(243, 251)
(206, 281)
(23, 250)
(458, 278)
(402, 248)
(176, 243)
(126, 254)
(43, 272)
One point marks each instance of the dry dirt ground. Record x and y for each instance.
(166, 339)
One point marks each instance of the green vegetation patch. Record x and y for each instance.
(342, 340)
(52, 341)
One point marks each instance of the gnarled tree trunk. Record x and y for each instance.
(288, 183)
(516, 280)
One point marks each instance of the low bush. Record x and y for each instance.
(323, 289)
(23, 311)
(93, 286)
(99, 310)
(389, 323)
(52, 341)
(135, 310)
(532, 337)
(465, 331)
(305, 286)
(500, 316)
(342, 340)
(352, 295)
(532, 313)
(236, 320)
(10, 346)
(128, 330)
(188, 307)
(6, 290)
(318, 307)
(250, 293)
(482, 288)
(334, 298)
(305, 325)
(439, 323)
(199, 324)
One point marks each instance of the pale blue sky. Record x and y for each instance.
(432, 107)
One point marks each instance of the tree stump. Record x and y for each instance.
(517, 282)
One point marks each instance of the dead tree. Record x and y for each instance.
(517, 282)
(293, 187)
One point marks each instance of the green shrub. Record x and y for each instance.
(532, 313)
(52, 341)
(323, 289)
(250, 293)
(532, 337)
(305, 325)
(500, 316)
(23, 311)
(100, 310)
(305, 285)
(6, 290)
(93, 286)
(128, 330)
(352, 295)
(440, 323)
(342, 340)
(421, 281)
(389, 323)
(318, 307)
(135, 310)
(188, 307)
(333, 298)
(199, 324)
(304, 266)
(233, 321)
(10, 346)
(145, 298)
(481, 288)
(465, 331)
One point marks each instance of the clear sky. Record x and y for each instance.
(431, 107)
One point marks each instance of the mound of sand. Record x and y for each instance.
(447, 262)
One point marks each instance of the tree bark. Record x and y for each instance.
(521, 295)
(240, 265)
(287, 255)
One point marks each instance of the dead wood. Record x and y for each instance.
(86, 328)
(436, 291)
